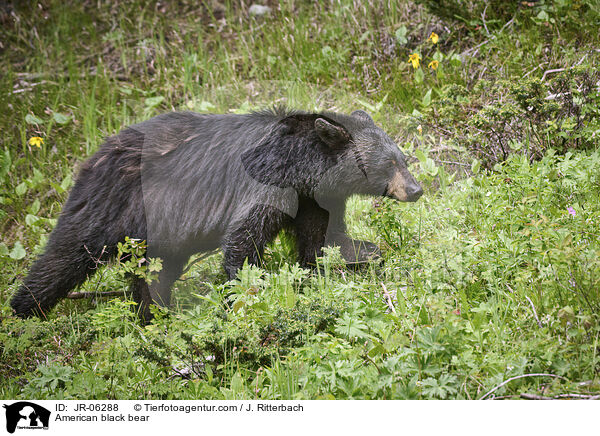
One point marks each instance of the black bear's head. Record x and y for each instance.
(331, 156)
(371, 164)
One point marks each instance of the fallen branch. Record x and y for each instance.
(516, 378)
(80, 295)
(555, 70)
(388, 298)
(452, 162)
(559, 70)
(526, 396)
(534, 312)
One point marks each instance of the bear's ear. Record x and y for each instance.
(363, 116)
(334, 136)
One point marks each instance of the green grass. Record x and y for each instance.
(490, 275)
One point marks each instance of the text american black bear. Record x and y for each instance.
(189, 183)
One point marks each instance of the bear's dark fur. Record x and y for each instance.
(189, 183)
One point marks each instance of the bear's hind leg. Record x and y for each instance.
(159, 291)
(141, 295)
(50, 279)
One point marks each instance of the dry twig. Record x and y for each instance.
(534, 312)
(388, 298)
(80, 295)
(516, 378)
(526, 396)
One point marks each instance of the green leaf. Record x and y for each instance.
(34, 208)
(327, 52)
(369, 106)
(38, 177)
(427, 99)
(67, 182)
(31, 220)
(475, 166)
(3, 249)
(32, 119)
(419, 76)
(430, 167)
(515, 145)
(21, 189)
(153, 101)
(18, 252)
(455, 60)
(377, 350)
(351, 327)
(401, 35)
(543, 15)
(61, 118)
(420, 155)
(5, 163)
(364, 36)
(205, 106)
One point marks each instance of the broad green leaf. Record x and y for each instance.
(67, 182)
(205, 106)
(419, 76)
(427, 99)
(61, 118)
(32, 119)
(368, 105)
(21, 189)
(34, 208)
(327, 52)
(18, 252)
(153, 101)
(401, 35)
(543, 15)
(238, 305)
(455, 60)
(420, 155)
(31, 220)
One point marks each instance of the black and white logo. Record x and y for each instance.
(26, 415)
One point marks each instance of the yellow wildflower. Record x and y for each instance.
(433, 65)
(434, 37)
(420, 129)
(36, 141)
(414, 59)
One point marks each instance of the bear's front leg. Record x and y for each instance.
(356, 252)
(249, 236)
(316, 228)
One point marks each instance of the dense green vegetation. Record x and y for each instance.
(493, 276)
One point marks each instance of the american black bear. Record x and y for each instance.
(189, 183)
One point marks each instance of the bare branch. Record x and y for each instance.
(518, 377)
(388, 298)
(80, 295)
(526, 396)
(534, 312)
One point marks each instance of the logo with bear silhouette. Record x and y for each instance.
(26, 415)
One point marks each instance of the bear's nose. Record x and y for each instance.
(414, 192)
